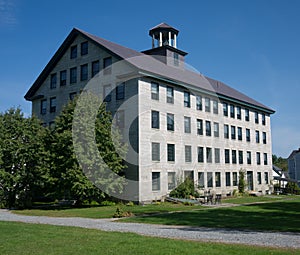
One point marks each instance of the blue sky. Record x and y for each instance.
(251, 45)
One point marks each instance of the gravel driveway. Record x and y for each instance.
(274, 239)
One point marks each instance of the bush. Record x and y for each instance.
(107, 203)
(242, 182)
(120, 213)
(184, 190)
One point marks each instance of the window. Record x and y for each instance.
(241, 158)
(263, 119)
(248, 135)
(233, 154)
(154, 91)
(189, 175)
(120, 91)
(176, 59)
(232, 111)
(215, 107)
(227, 159)
(226, 131)
(155, 119)
(170, 121)
(170, 95)
(43, 106)
(155, 152)
(187, 125)
(249, 157)
(233, 136)
(218, 179)
(247, 115)
(84, 72)
(199, 103)
(256, 118)
(208, 128)
(208, 155)
(107, 93)
(72, 95)
(155, 181)
(264, 137)
(200, 180)
(207, 104)
(63, 78)
(200, 155)
(73, 52)
(234, 179)
(53, 104)
(120, 119)
(171, 180)
(257, 136)
(53, 81)
(188, 153)
(107, 65)
(258, 158)
(266, 177)
(265, 159)
(259, 178)
(209, 179)
(73, 75)
(238, 113)
(240, 134)
(216, 129)
(227, 178)
(199, 127)
(187, 99)
(84, 48)
(217, 155)
(171, 152)
(225, 109)
(95, 67)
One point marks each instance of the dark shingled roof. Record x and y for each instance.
(152, 67)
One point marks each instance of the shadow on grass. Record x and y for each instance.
(278, 216)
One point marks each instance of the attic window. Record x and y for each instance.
(74, 51)
(84, 48)
(176, 59)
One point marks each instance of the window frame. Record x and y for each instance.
(155, 151)
(53, 81)
(170, 122)
(154, 90)
(187, 125)
(171, 156)
(73, 52)
(120, 91)
(187, 99)
(95, 68)
(170, 95)
(73, 75)
(155, 123)
(84, 48)
(155, 177)
(53, 104)
(84, 72)
(63, 78)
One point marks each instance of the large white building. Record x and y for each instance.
(181, 124)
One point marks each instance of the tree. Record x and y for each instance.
(242, 181)
(280, 162)
(22, 159)
(70, 181)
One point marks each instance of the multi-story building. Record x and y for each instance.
(181, 123)
(294, 166)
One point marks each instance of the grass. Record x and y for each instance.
(20, 238)
(281, 216)
(250, 199)
(106, 211)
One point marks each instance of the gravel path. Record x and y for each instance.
(290, 240)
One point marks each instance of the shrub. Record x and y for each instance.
(184, 190)
(242, 182)
(107, 203)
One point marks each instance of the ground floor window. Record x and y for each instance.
(228, 182)
(209, 179)
(234, 179)
(171, 180)
(218, 179)
(201, 180)
(258, 178)
(155, 181)
(266, 177)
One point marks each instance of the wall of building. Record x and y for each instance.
(181, 139)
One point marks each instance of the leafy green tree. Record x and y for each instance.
(22, 159)
(70, 181)
(242, 181)
(280, 162)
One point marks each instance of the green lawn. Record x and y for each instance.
(107, 211)
(250, 199)
(281, 215)
(28, 239)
